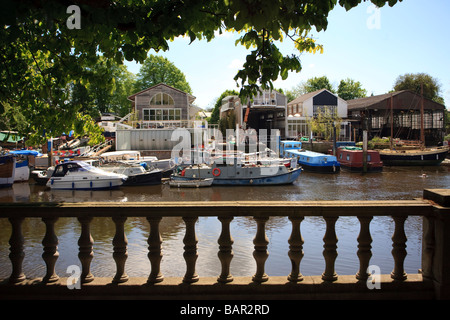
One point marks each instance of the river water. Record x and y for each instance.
(394, 183)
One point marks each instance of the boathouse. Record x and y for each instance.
(401, 111)
(267, 110)
(311, 104)
(156, 112)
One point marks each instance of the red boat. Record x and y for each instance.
(351, 158)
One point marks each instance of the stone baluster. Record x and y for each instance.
(120, 253)
(330, 253)
(295, 249)
(154, 250)
(428, 247)
(85, 254)
(364, 247)
(51, 254)
(225, 250)
(190, 250)
(260, 253)
(399, 248)
(17, 254)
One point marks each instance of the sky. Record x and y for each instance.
(369, 45)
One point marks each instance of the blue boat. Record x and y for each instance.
(309, 160)
(240, 174)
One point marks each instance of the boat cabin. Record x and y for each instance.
(351, 158)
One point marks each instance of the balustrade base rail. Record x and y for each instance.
(173, 288)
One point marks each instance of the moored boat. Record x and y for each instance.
(78, 175)
(351, 158)
(234, 172)
(191, 183)
(7, 170)
(137, 174)
(309, 160)
(417, 157)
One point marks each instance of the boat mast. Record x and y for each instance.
(422, 136)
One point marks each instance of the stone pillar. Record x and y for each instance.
(51, 254)
(225, 250)
(260, 253)
(440, 269)
(16, 248)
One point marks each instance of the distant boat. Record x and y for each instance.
(191, 183)
(7, 170)
(137, 174)
(132, 156)
(78, 175)
(416, 157)
(351, 159)
(309, 160)
(420, 156)
(22, 172)
(237, 173)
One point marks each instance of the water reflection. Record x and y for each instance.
(393, 183)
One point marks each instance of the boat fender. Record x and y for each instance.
(183, 172)
(216, 172)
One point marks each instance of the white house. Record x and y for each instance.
(309, 105)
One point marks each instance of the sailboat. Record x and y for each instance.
(415, 157)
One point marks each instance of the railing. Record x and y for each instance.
(433, 282)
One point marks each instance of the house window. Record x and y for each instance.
(166, 114)
(162, 99)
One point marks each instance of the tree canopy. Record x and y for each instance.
(414, 81)
(350, 89)
(48, 49)
(157, 70)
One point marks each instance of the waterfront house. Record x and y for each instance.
(157, 112)
(311, 104)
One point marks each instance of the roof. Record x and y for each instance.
(191, 97)
(310, 95)
(405, 99)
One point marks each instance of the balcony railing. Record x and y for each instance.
(433, 281)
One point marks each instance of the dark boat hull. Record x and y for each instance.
(145, 179)
(407, 159)
(320, 168)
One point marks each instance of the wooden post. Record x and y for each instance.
(364, 151)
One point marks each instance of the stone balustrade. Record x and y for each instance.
(432, 282)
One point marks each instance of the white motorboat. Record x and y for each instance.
(79, 175)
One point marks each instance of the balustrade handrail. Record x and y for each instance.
(261, 211)
(416, 207)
